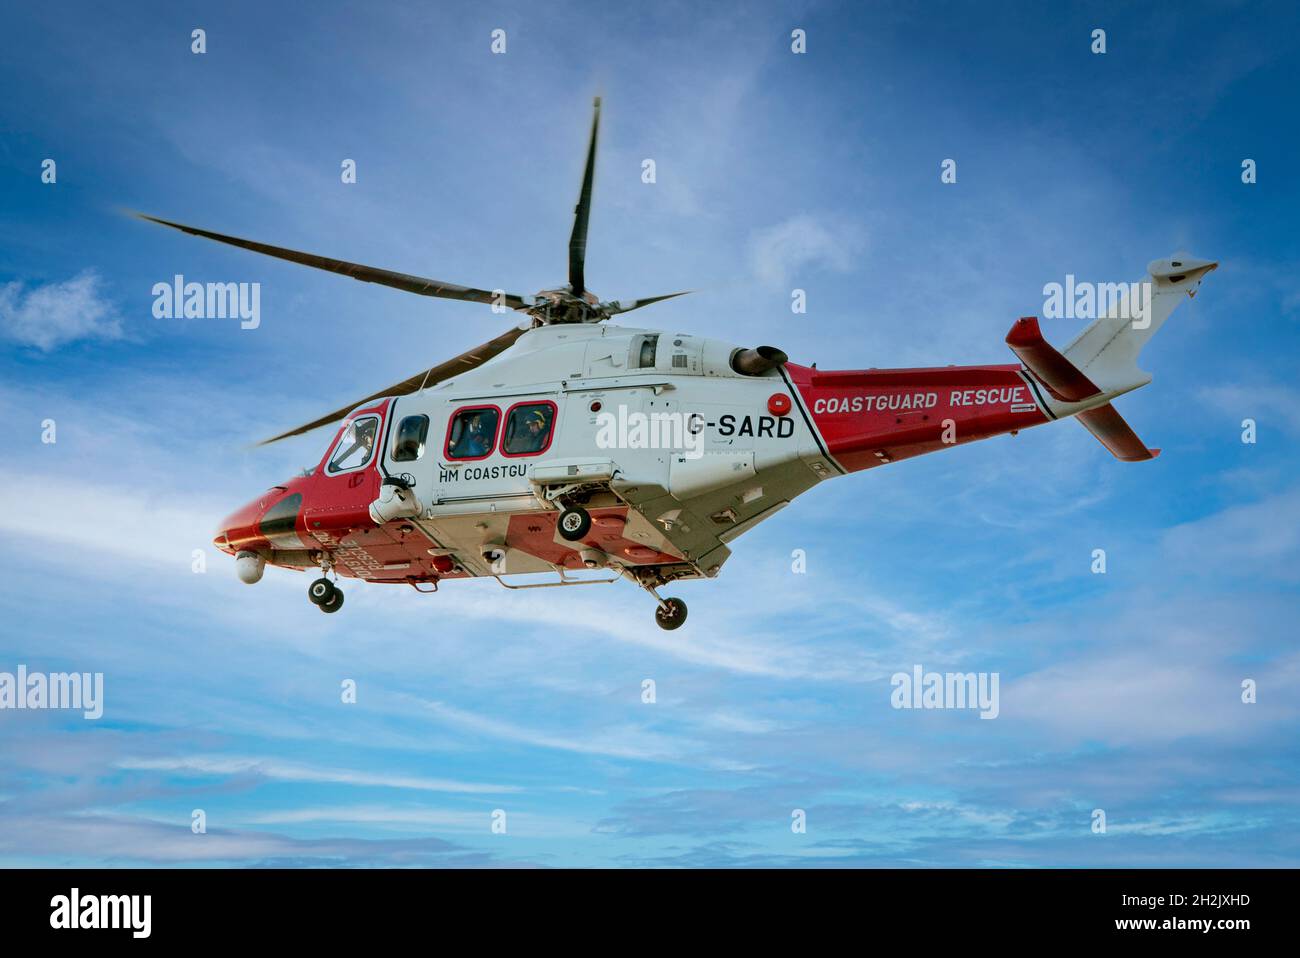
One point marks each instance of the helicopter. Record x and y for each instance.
(567, 443)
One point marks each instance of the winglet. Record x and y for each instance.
(1115, 434)
(1062, 378)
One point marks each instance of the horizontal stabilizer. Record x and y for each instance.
(1061, 377)
(1115, 434)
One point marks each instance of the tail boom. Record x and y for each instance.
(870, 417)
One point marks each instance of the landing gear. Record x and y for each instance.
(670, 614)
(322, 592)
(325, 594)
(574, 523)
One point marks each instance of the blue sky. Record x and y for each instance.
(819, 171)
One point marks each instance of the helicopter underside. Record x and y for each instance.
(636, 531)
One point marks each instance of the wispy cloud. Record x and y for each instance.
(121, 839)
(280, 770)
(790, 251)
(413, 818)
(631, 742)
(54, 314)
(1271, 405)
(164, 528)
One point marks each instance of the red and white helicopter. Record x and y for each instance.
(566, 444)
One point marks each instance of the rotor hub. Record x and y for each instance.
(552, 306)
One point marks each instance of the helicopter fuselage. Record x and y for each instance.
(669, 449)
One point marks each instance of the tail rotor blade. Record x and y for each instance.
(582, 212)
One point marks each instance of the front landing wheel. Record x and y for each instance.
(321, 591)
(671, 614)
(574, 523)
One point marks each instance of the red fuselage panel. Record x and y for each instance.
(873, 416)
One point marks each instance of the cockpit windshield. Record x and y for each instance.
(356, 446)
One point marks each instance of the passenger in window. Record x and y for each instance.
(475, 441)
(537, 429)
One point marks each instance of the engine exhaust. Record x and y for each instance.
(755, 362)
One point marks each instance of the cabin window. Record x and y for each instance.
(408, 443)
(528, 429)
(473, 433)
(355, 446)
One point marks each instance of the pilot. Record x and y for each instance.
(536, 430)
(363, 440)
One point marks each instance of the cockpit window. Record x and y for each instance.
(473, 433)
(356, 445)
(408, 443)
(528, 429)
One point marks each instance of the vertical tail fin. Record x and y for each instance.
(1107, 351)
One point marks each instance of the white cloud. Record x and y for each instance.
(780, 253)
(745, 724)
(294, 772)
(422, 820)
(1269, 404)
(51, 315)
(1259, 539)
(1124, 699)
(1153, 695)
(629, 743)
(127, 524)
(116, 840)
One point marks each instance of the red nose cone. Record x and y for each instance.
(239, 529)
(269, 521)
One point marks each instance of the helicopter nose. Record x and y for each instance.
(267, 522)
(239, 530)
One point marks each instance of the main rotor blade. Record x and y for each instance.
(453, 367)
(581, 213)
(366, 274)
(627, 305)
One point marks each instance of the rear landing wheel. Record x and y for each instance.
(321, 591)
(334, 603)
(671, 614)
(574, 523)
